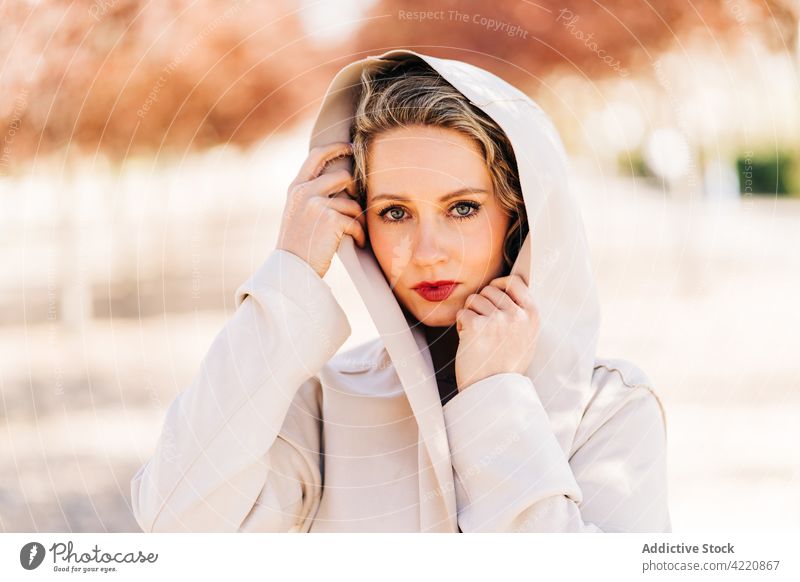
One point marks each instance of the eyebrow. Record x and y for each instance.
(444, 198)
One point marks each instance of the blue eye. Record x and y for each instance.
(463, 210)
(472, 209)
(395, 212)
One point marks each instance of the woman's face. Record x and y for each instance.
(432, 217)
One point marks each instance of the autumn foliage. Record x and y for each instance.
(123, 77)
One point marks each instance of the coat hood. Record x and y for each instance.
(554, 260)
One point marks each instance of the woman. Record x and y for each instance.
(481, 406)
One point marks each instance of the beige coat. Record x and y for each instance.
(280, 431)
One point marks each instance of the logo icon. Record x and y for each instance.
(31, 555)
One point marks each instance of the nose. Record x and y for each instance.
(428, 249)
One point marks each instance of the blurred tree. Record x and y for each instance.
(125, 76)
(525, 40)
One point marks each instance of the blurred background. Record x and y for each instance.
(147, 148)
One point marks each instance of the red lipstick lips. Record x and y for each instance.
(435, 290)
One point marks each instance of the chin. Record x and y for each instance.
(441, 317)
(442, 314)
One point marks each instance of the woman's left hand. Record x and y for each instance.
(497, 330)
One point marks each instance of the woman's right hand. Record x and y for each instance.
(313, 222)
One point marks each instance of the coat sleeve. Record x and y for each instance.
(513, 476)
(240, 446)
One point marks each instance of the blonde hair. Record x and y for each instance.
(409, 92)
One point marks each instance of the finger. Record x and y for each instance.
(500, 298)
(516, 288)
(325, 185)
(479, 304)
(318, 157)
(345, 206)
(354, 229)
(331, 183)
(465, 318)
